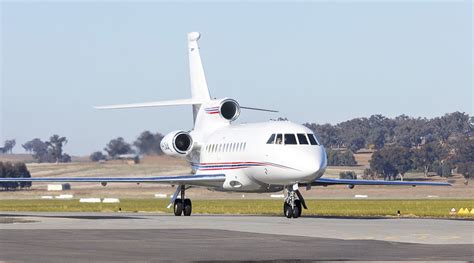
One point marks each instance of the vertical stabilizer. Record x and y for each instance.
(199, 90)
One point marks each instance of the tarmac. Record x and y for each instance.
(146, 237)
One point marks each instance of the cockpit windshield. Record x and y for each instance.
(271, 140)
(302, 138)
(312, 139)
(290, 139)
(293, 139)
(279, 139)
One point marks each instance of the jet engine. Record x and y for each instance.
(177, 143)
(229, 109)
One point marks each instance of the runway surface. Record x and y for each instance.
(78, 237)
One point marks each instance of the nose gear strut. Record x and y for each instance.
(294, 202)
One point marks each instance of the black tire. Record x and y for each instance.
(296, 212)
(188, 207)
(298, 204)
(287, 210)
(178, 207)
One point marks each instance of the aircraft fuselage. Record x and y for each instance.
(260, 157)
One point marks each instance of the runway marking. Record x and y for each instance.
(452, 237)
(422, 236)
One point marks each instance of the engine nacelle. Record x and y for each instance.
(177, 143)
(229, 109)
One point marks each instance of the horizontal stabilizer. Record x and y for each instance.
(151, 104)
(251, 108)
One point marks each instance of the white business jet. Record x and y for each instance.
(252, 158)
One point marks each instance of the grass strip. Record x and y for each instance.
(411, 208)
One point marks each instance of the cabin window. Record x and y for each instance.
(279, 139)
(290, 139)
(302, 138)
(312, 139)
(245, 145)
(271, 140)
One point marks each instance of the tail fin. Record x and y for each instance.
(199, 90)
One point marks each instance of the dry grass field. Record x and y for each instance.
(163, 165)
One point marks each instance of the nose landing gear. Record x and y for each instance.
(294, 202)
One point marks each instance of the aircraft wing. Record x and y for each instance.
(188, 179)
(351, 182)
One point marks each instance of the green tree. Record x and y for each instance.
(14, 170)
(409, 132)
(328, 135)
(340, 158)
(391, 161)
(425, 156)
(368, 174)
(97, 156)
(348, 175)
(148, 143)
(454, 124)
(464, 157)
(22, 172)
(442, 168)
(39, 149)
(55, 145)
(117, 147)
(8, 146)
(49, 151)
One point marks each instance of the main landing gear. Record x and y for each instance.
(294, 202)
(181, 206)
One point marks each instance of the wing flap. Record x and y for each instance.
(190, 179)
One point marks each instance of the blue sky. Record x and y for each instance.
(313, 61)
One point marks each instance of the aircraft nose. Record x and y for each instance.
(315, 162)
